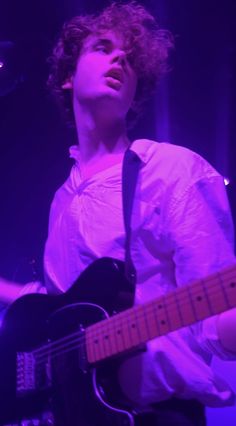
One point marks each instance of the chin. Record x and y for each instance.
(113, 102)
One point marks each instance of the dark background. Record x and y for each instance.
(194, 106)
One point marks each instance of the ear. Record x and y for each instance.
(68, 84)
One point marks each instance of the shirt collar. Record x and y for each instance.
(74, 153)
(141, 147)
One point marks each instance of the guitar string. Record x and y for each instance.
(96, 357)
(123, 314)
(60, 346)
(78, 343)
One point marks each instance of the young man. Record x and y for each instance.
(103, 68)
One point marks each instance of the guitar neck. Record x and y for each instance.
(184, 306)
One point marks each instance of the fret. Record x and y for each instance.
(174, 312)
(165, 301)
(117, 340)
(99, 343)
(113, 341)
(133, 328)
(154, 303)
(93, 353)
(96, 348)
(222, 285)
(215, 294)
(122, 330)
(107, 338)
(146, 315)
(90, 348)
(102, 333)
(161, 316)
(179, 308)
(199, 300)
(129, 333)
(153, 329)
(141, 323)
(182, 296)
(204, 287)
(119, 332)
(191, 303)
(228, 283)
(104, 342)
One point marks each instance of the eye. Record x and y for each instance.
(101, 48)
(103, 45)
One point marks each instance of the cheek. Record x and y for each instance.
(85, 76)
(81, 77)
(82, 74)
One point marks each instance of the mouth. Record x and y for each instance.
(113, 82)
(115, 74)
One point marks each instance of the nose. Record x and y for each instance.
(119, 57)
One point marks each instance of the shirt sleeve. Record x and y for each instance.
(33, 287)
(202, 236)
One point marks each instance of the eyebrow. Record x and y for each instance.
(103, 40)
(94, 41)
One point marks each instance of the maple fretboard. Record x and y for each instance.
(141, 323)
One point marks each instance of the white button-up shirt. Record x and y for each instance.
(181, 231)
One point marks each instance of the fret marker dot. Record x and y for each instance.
(118, 331)
(96, 341)
(133, 325)
(199, 298)
(159, 306)
(163, 322)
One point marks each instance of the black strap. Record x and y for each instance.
(130, 170)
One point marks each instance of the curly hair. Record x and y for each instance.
(147, 48)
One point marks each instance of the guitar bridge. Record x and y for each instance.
(30, 374)
(25, 372)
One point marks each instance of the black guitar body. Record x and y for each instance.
(64, 389)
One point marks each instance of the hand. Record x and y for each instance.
(226, 327)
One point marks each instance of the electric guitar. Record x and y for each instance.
(59, 355)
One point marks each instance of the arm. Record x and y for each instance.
(202, 236)
(9, 291)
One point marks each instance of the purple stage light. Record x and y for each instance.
(226, 181)
(1, 64)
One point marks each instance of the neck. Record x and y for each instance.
(99, 134)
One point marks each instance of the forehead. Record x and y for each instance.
(113, 38)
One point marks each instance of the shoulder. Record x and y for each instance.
(173, 161)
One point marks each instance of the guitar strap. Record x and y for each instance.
(130, 171)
